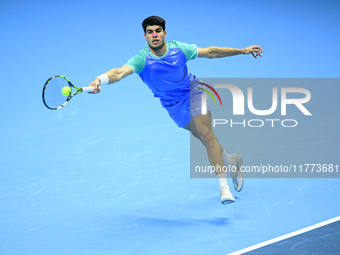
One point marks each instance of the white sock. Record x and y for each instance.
(228, 160)
(222, 177)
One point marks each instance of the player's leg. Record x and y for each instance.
(200, 127)
(204, 122)
(234, 160)
(203, 130)
(192, 128)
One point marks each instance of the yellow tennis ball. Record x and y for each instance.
(66, 91)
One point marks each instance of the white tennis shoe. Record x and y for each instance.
(226, 196)
(236, 174)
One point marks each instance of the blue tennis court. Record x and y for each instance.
(110, 173)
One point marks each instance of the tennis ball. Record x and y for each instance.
(66, 91)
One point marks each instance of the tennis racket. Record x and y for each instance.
(53, 96)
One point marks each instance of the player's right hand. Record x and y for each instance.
(96, 85)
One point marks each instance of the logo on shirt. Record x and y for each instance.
(175, 62)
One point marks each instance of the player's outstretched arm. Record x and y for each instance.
(221, 52)
(114, 75)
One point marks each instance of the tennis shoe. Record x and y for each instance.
(226, 196)
(236, 173)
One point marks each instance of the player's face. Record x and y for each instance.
(155, 36)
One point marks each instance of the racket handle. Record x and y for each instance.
(87, 89)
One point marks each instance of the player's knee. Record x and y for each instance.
(207, 137)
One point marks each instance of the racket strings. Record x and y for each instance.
(52, 95)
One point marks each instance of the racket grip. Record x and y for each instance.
(87, 89)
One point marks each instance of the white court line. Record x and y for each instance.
(280, 238)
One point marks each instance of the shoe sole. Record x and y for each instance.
(227, 202)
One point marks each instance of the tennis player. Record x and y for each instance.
(162, 66)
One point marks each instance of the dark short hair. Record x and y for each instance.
(153, 20)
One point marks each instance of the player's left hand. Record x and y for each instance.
(254, 50)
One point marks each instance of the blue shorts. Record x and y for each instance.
(182, 112)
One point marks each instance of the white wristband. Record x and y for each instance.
(104, 79)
